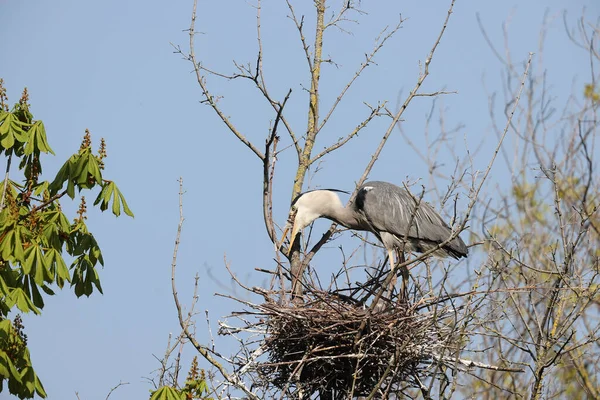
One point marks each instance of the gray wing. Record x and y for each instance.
(389, 208)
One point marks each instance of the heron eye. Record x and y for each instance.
(292, 215)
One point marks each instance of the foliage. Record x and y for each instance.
(548, 242)
(592, 93)
(36, 235)
(195, 387)
(541, 240)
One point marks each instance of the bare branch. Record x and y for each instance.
(434, 94)
(368, 60)
(48, 202)
(209, 98)
(204, 351)
(354, 133)
(268, 171)
(475, 194)
(300, 27)
(115, 388)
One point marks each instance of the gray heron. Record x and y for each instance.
(391, 213)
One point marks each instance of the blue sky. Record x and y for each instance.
(109, 66)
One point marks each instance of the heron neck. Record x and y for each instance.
(343, 215)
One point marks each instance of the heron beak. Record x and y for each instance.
(285, 231)
(295, 230)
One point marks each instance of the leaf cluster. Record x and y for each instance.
(196, 387)
(37, 239)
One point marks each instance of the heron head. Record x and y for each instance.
(308, 207)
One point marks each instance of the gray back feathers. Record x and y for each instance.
(387, 208)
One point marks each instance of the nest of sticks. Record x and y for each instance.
(351, 342)
(328, 344)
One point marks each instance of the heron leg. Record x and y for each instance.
(391, 259)
(405, 276)
(393, 264)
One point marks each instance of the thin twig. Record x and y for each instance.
(48, 202)
(204, 352)
(115, 388)
(368, 60)
(208, 96)
(268, 174)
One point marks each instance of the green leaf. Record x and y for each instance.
(35, 264)
(71, 189)
(11, 131)
(28, 378)
(77, 283)
(167, 393)
(104, 195)
(203, 387)
(39, 388)
(94, 168)
(18, 297)
(4, 289)
(37, 139)
(7, 368)
(64, 223)
(5, 217)
(5, 329)
(116, 206)
(125, 206)
(78, 164)
(111, 191)
(4, 115)
(41, 188)
(95, 253)
(7, 246)
(12, 135)
(35, 294)
(63, 175)
(4, 366)
(87, 166)
(7, 141)
(18, 252)
(81, 175)
(85, 277)
(48, 291)
(57, 267)
(93, 277)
